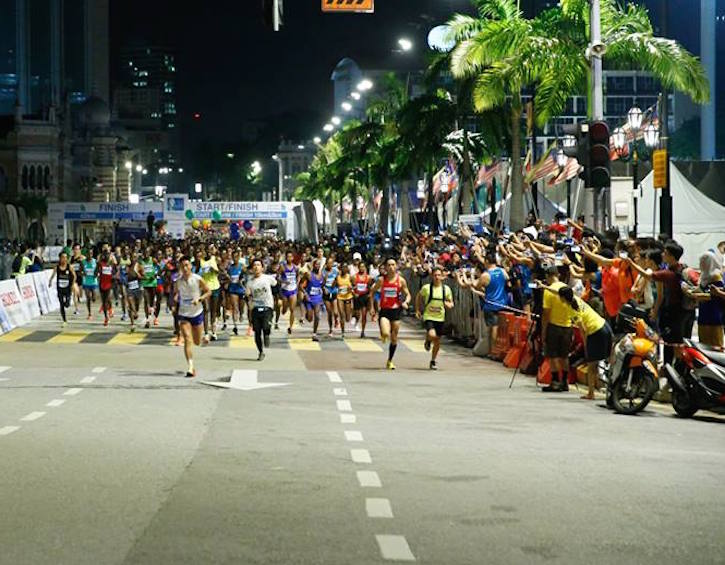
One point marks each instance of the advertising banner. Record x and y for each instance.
(109, 211)
(52, 292)
(42, 291)
(26, 285)
(14, 306)
(239, 210)
(5, 324)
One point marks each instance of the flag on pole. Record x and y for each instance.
(570, 171)
(546, 166)
(486, 174)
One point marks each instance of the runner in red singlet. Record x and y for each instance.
(105, 279)
(391, 287)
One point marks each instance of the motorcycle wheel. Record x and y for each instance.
(635, 400)
(682, 403)
(610, 402)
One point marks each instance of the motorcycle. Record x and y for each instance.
(697, 379)
(632, 377)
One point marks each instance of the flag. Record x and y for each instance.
(487, 174)
(546, 166)
(570, 171)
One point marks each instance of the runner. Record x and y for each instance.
(363, 282)
(311, 285)
(65, 282)
(149, 268)
(260, 290)
(210, 274)
(235, 271)
(191, 291)
(123, 263)
(344, 296)
(329, 292)
(391, 286)
(76, 263)
(90, 282)
(273, 270)
(288, 276)
(431, 304)
(134, 276)
(104, 272)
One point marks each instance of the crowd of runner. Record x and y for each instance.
(563, 274)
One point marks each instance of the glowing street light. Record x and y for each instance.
(145, 172)
(301, 147)
(405, 44)
(139, 168)
(129, 165)
(328, 127)
(336, 121)
(317, 140)
(355, 95)
(197, 187)
(365, 85)
(346, 106)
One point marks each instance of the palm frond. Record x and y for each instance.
(497, 9)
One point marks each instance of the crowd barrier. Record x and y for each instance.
(25, 298)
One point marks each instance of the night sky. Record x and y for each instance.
(232, 69)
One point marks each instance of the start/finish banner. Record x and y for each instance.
(13, 303)
(108, 211)
(239, 210)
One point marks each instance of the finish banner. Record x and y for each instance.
(239, 210)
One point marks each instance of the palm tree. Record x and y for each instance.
(505, 53)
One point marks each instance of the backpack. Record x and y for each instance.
(430, 293)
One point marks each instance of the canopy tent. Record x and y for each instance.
(698, 221)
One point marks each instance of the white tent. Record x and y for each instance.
(698, 222)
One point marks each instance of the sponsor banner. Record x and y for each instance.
(13, 303)
(26, 286)
(109, 211)
(5, 324)
(41, 289)
(52, 292)
(239, 210)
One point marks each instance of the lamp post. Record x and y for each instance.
(622, 143)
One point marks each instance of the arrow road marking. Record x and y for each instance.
(244, 379)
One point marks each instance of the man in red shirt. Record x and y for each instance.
(104, 272)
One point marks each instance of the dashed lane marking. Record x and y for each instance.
(98, 370)
(369, 479)
(55, 403)
(353, 436)
(127, 339)
(414, 345)
(348, 419)
(339, 391)
(15, 335)
(4, 368)
(360, 456)
(72, 391)
(378, 508)
(363, 345)
(344, 406)
(7, 430)
(299, 344)
(87, 380)
(334, 377)
(394, 548)
(33, 416)
(69, 337)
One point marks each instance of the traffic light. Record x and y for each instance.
(599, 165)
(576, 145)
(272, 11)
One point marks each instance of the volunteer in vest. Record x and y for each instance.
(105, 277)
(90, 282)
(343, 283)
(391, 287)
(134, 276)
(556, 332)
(191, 292)
(311, 285)
(288, 279)
(210, 273)
(149, 282)
(76, 263)
(431, 304)
(363, 282)
(259, 289)
(65, 281)
(235, 271)
(597, 336)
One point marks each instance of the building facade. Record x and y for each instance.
(292, 159)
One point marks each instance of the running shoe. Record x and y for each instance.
(105, 322)
(133, 329)
(426, 345)
(213, 336)
(390, 366)
(156, 321)
(235, 331)
(261, 356)
(147, 325)
(64, 324)
(362, 335)
(224, 327)
(315, 338)
(276, 326)
(289, 331)
(433, 366)
(179, 341)
(191, 374)
(123, 318)
(90, 317)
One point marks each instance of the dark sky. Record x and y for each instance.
(232, 69)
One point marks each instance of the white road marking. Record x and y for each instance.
(348, 418)
(32, 416)
(7, 430)
(360, 456)
(378, 508)
(353, 436)
(3, 380)
(394, 548)
(87, 380)
(340, 391)
(334, 377)
(55, 403)
(344, 406)
(98, 369)
(72, 391)
(4, 368)
(369, 479)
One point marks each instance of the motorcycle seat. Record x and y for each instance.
(713, 354)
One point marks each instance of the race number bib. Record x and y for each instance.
(362, 287)
(235, 279)
(107, 270)
(63, 283)
(133, 285)
(315, 291)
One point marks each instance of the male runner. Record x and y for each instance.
(431, 304)
(288, 277)
(66, 279)
(191, 291)
(104, 272)
(260, 290)
(149, 284)
(391, 286)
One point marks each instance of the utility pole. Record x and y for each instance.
(596, 50)
(666, 197)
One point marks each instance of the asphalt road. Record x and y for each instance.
(109, 456)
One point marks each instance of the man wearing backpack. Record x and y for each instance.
(431, 304)
(22, 261)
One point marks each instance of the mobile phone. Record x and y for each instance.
(533, 285)
(623, 255)
(576, 248)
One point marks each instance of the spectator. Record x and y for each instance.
(556, 332)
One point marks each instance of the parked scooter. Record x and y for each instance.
(632, 377)
(697, 379)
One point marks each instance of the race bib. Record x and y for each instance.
(390, 292)
(362, 287)
(90, 272)
(315, 291)
(133, 285)
(148, 270)
(435, 309)
(235, 279)
(187, 301)
(205, 270)
(76, 267)
(63, 283)
(344, 289)
(107, 270)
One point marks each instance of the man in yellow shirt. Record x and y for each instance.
(433, 300)
(556, 332)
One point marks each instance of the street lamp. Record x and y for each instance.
(139, 168)
(346, 106)
(336, 121)
(365, 85)
(355, 95)
(421, 190)
(405, 44)
(129, 165)
(328, 128)
(634, 119)
(317, 140)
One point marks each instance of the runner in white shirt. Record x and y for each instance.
(191, 291)
(259, 289)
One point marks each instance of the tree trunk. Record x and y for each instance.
(405, 206)
(353, 198)
(385, 210)
(333, 216)
(432, 212)
(467, 190)
(516, 218)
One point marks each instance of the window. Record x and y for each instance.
(46, 178)
(620, 84)
(25, 177)
(3, 181)
(618, 105)
(647, 84)
(31, 180)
